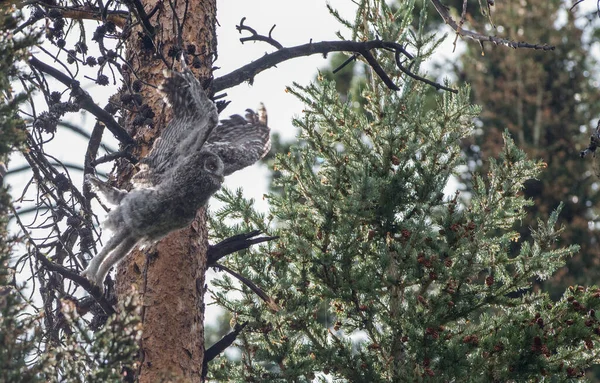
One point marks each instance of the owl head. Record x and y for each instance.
(212, 164)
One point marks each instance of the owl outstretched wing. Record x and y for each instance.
(239, 141)
(194, 118)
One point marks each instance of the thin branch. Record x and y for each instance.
(576, 4)
(423, 79)
(346, 62)
(255, 36)
(257, 290)
(247, 72)
(86, 101)
(443, 11)
(233, 244)
(140, 12)
(113, 156)
(379, 70)
(93, 290)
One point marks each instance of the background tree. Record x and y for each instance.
(411, 279)
(548, 102)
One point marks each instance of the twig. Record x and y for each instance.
(443, 11)
(86, 101)
(255, 36)
(93, 290)
(576, 4)
(233, 244)
(379, 70)
(257, 290)
(419, 78)
(346, 62)
(113, 156)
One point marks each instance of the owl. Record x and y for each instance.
(185, 167)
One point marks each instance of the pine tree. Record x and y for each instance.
(369, 272)
(547, 101)
(377, 275)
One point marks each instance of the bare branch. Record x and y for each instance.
(220, 346)
(94, 291)
(113, 156)
(233, 244)
(140, 12)
(86, 100)
(247, 72)
(255, 36)
(443, 11)
(419, 78)
(119, 18)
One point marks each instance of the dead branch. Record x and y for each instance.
(363, 48)
(119, 18)
(251, 285)
(220, 346)
(86, 101)
(445, 14)
(255, 36)
(233, 244)
(93, 290)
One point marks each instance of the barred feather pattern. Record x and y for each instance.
(183, 170)
(239, 141)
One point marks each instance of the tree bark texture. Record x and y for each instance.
(170, 275)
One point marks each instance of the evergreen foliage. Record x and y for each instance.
(549, 103)
(379, 276)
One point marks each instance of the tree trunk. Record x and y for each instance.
(170, 275)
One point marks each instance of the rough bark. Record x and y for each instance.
(169, 275)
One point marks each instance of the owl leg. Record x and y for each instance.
(111, 194)
(119, 253)
(91, 270)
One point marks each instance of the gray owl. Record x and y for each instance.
(185, 167)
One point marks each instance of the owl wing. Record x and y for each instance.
(239, 141)
(194, 118)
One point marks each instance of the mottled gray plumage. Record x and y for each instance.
(145, 215)
(185, 167)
